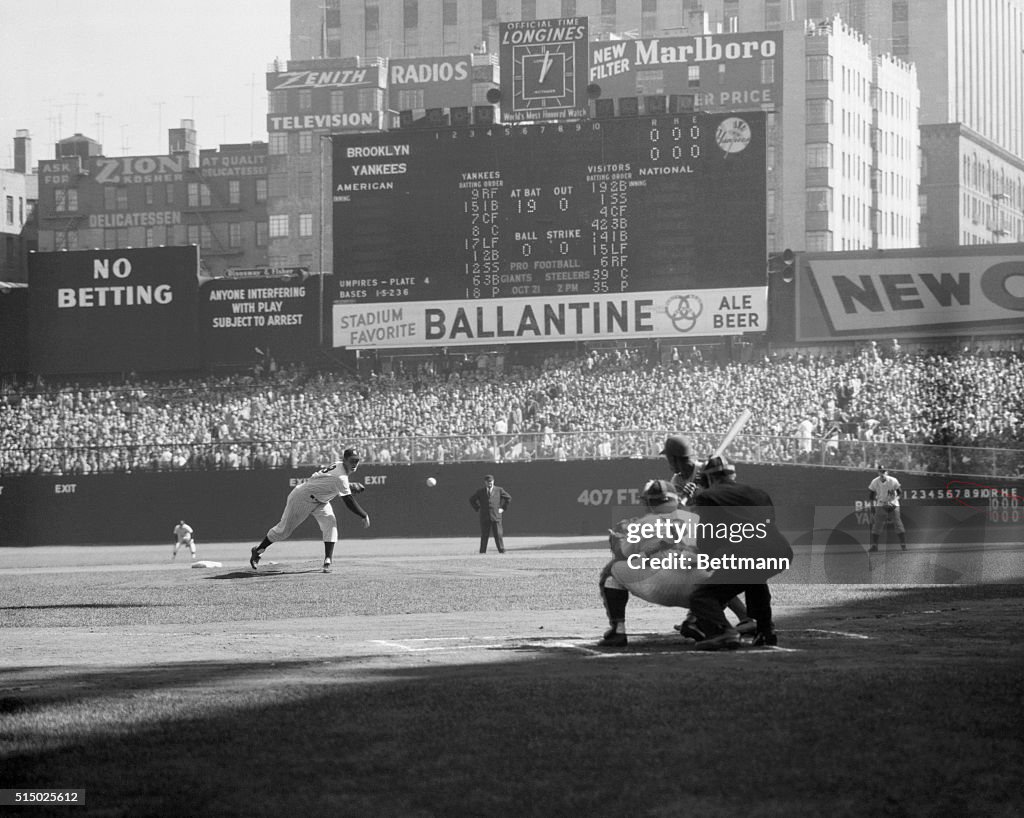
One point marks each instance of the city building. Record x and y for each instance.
(215, 199)
(19, 190)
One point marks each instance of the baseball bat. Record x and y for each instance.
(735, 429)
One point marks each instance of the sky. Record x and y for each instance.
(123, 72)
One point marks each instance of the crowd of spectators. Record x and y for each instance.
(925, 410)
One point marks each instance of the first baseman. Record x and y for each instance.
(313, 499)
(884, 493)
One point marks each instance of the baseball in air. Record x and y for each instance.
(431, 482)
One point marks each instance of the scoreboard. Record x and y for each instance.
(601, 206)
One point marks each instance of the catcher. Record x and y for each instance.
(648, 556)
(884, 494)
(687, 480)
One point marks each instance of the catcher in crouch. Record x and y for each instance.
(686, 482)
(647, 559)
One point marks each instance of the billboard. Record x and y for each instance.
(910, 293)
(676, 314)
(430, 82)
(278, 315)
(336, 97)
(544, 69)
(723, 72)
(120, 310)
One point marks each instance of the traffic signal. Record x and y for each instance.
(783, 265)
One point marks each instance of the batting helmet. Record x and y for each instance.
(677, 446)
(718, 465)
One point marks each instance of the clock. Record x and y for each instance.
(544, 76)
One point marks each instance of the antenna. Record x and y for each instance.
(159, 121)
(192, 97)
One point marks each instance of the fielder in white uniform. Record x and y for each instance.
(313, 499)
(884, 493)
(183, 536)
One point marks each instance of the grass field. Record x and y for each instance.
(423, 679)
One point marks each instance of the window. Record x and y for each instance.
(198, 195)
(767, 72)
(279, 226)
(409, 99)
(9, 210)
(278, 143)
(731, 15)
(150, 193)
(150, 237)
(819, 112)
(608, 8)
(305, 224)
(305, 100)
(819, 67)
(648, 18)
(261, 190)
(450, 13)
(693, 76)
(371, 99)
(305, 141)
(205, 237)
(568, 8)
(234, 235)
(234, 192)
(277, 102)
(529, 10)
(305, 185)
(109, 197)
(261, 234)
(773, 13)
(819, 200)
(819, 155)
(337, 102)
(169, 193)
(193, 234)
(650, 83)
(410, 14)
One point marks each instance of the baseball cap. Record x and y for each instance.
(677, 446)
(881, 467)
(352, 454)
(489, 477)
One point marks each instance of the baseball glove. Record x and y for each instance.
(357, 487)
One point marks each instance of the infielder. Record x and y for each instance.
(183, 536)
(884, 494)
(313, 499)
(669, 581)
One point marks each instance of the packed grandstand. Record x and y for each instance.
(958, 411)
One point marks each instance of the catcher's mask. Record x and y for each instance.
(658, 492)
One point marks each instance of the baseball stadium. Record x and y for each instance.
(552, 467)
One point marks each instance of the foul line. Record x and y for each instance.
(839, 633)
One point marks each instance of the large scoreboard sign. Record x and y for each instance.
(666, 205)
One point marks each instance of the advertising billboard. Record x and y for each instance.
(910, 293)
(120, 310)
(723, 72)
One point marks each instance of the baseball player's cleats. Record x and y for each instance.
(254, 558)
(613, 639)
(726, 640)
(327, 566)
(762, 639)
(746, 626)
(689, 630)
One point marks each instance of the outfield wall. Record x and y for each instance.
(550, 499)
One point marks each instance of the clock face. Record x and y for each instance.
(543, 76)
